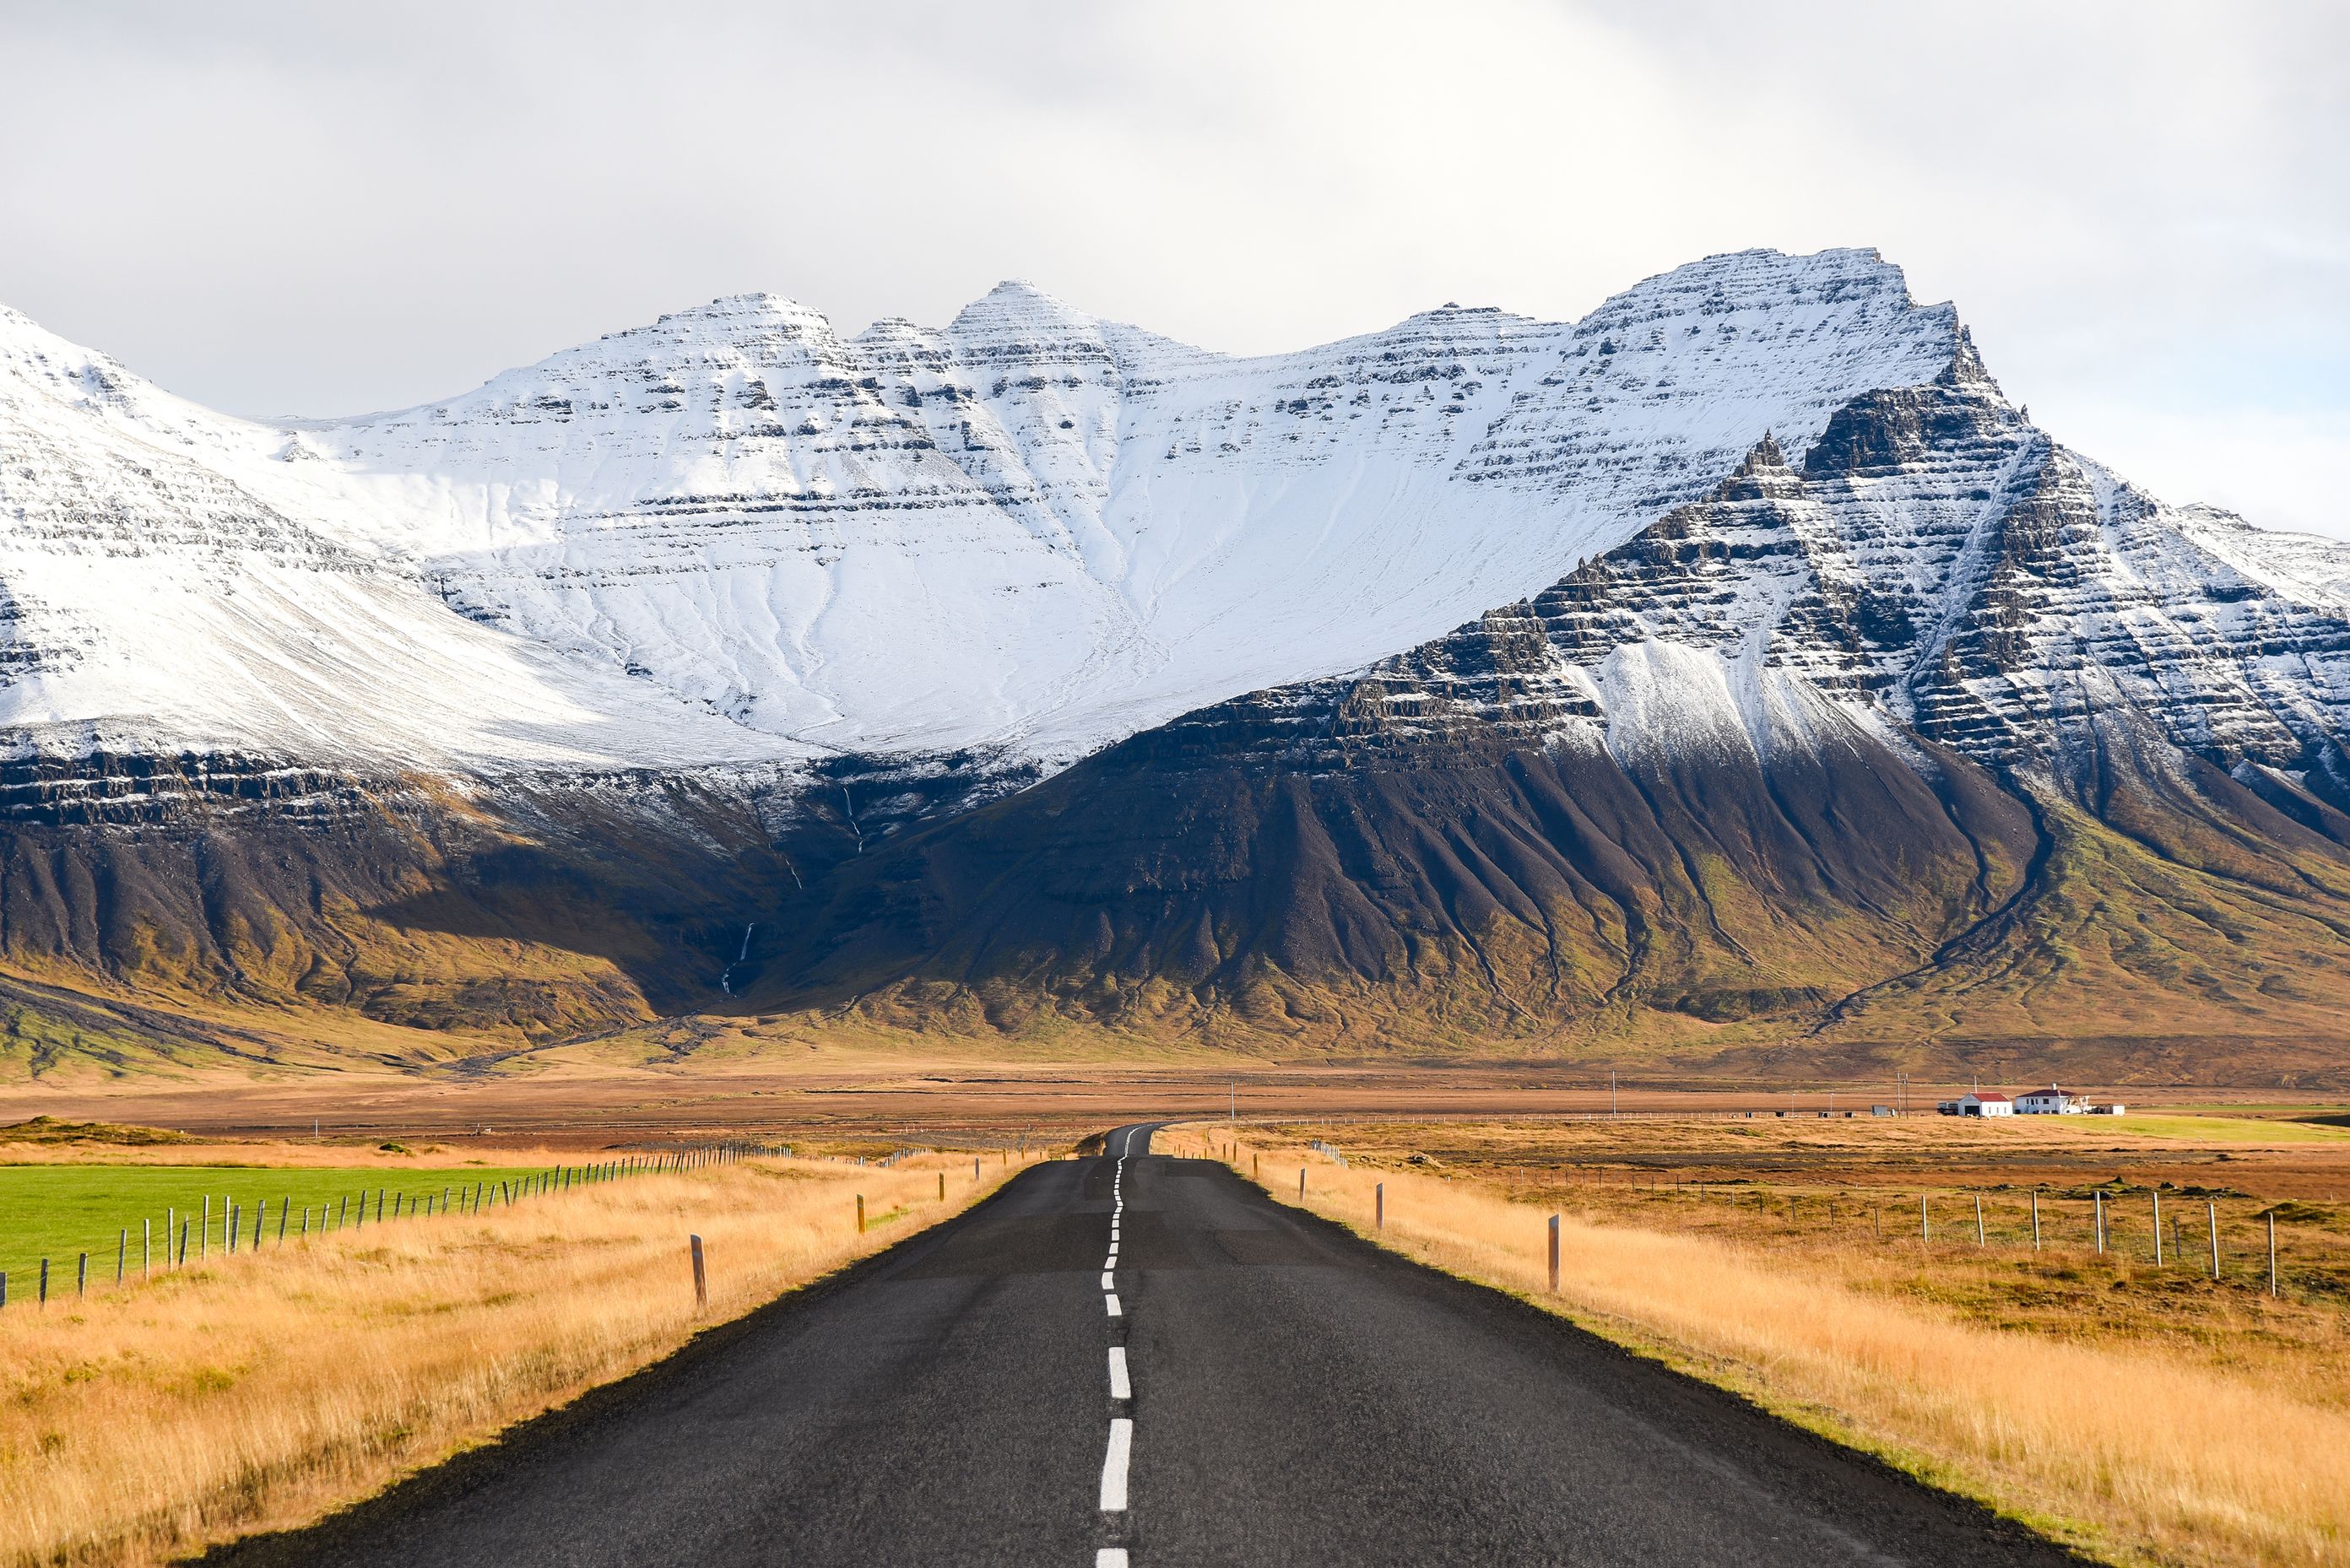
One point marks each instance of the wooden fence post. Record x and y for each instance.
(700, 1278)
(1554, 1254)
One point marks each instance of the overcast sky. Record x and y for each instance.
(2142, 210)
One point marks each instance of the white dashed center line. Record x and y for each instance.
(1121, 1387)
(1121, 1447)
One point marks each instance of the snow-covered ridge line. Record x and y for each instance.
(733, 535)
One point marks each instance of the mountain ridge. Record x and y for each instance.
(1734, 673)
(1029, 533)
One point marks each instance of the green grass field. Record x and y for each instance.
(2195, 1129)
(59, 1211)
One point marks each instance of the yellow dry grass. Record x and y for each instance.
(2125, 1452)
(262, 1390)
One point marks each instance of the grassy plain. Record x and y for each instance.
(2147, 1414)
(253, 1391)
(131, 1216)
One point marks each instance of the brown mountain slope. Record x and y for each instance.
(1822, 913)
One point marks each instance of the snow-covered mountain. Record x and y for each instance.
(1935, 569)
(1738, 653)
(1940, 730)
(174, 580)
(735, 535)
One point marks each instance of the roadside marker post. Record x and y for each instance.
(1925, 1225)
(942, 1187)
(1979, 1222)
(1379, 1207)
(1301, 1184)
(121, 1254)
(700, 1278)
(2211, 1212)
(81, 1276)
(1554, 1254)
(2157, 1227)
(2273, 1290)
(2035, 1220)
(860, 1214)
(2100, 1199)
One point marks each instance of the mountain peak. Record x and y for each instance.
(1015, 308)
(758, 312)
(1851, 281)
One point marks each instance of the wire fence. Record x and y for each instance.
(235, 1226)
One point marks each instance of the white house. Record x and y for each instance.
(1986, 1105)
(2051, 1101)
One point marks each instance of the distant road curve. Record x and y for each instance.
(1132, 1361)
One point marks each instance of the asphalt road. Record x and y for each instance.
(1231, 1382)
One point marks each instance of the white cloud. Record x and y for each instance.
(2143, 209)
